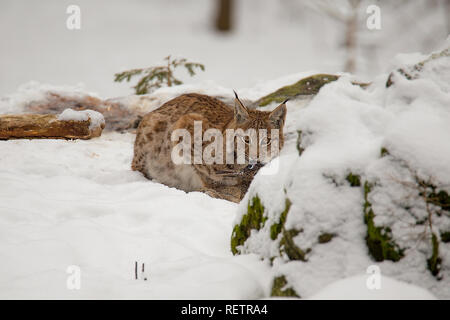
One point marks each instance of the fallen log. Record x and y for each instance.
(69, 125)
(117, 113)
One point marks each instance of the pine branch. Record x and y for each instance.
(158, 76)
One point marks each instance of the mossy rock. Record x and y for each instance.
(281, 288)
(379, 239)
(253, 219)
(304, 87)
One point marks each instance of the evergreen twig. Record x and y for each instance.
(158, 76)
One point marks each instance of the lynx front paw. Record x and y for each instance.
(221, 195)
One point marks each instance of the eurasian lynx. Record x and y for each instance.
(154, 145)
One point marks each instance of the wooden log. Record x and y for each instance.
(118, 114)
(37, 126)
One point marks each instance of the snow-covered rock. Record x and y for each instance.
(363, 179)
(356, 288)
(77, 205)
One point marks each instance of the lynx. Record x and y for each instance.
(154, 144)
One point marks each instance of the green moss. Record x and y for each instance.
(434, 262)
(354, 180)
(288, 246)
(378, 239)
(325, 237)
(280, 288)
(306, 86)
(253, 219)
(299, 142)
(367, 189)
(384, 152)
(445, 236)
(276, 228)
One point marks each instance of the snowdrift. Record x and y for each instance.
(363, 180)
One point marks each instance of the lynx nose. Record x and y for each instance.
(254, 165)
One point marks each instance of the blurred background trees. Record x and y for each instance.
(243, 43)
(346, 13)
(224, 15)
(406, 26)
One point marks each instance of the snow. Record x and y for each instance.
(66, 203)
(355, 288)
(35, 91)
(96, 118)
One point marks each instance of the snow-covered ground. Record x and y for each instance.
(66, 203)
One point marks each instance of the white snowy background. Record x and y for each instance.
(78, 203)
(271, 39)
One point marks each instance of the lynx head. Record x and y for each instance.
(261, 132)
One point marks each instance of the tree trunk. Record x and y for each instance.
(447, 14)
(224, 19)
(350, 36)
(39, 126)
(350, 42)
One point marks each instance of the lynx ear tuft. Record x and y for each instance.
(240, 111)
(278, 116)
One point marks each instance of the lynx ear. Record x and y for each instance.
(278, 116)
(240, 111)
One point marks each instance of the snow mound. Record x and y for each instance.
(364, 179)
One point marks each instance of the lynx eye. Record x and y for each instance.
(246, 139)
(264, 141)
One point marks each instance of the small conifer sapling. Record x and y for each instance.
(158, 76)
